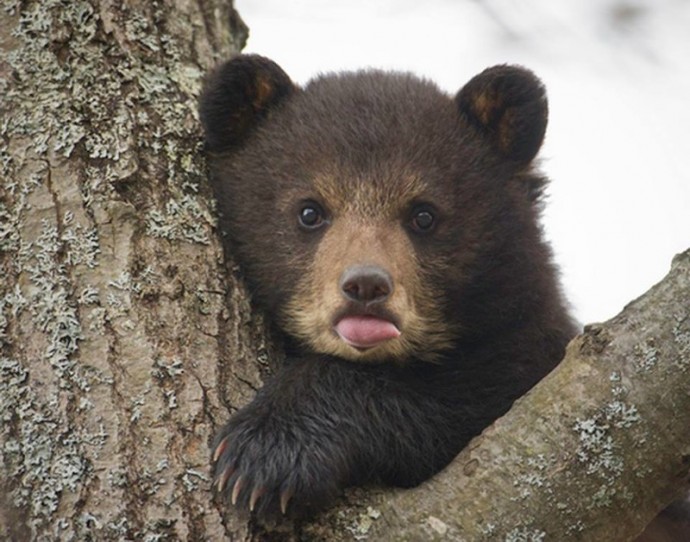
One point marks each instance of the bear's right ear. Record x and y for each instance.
(236, 95)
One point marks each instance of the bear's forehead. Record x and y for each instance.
(368, 139)
(385, 194)
(369, 142)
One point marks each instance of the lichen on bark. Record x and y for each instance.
(113, 290)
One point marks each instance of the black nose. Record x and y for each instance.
(366, 284)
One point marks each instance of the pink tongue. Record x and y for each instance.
(365, 331)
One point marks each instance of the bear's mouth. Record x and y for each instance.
(364, 331)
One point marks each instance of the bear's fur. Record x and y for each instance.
(390, 232)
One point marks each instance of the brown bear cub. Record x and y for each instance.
(390, 232)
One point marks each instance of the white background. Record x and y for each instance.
(618, 78)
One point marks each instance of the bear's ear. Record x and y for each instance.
(236, 95)
(507, 104)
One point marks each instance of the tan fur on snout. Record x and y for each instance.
(359, 236)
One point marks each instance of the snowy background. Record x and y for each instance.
(618, 78)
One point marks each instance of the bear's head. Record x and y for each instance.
(375, 217)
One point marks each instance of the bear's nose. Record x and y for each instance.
(366, 284)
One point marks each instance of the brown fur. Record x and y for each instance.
(356, 239)
(476, 294)
(365, 231)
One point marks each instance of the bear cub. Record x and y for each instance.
(390, 233)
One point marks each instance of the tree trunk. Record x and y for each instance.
(115, 307)
(125, 341)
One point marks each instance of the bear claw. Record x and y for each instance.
(236, 490)
(223, 478)
(285, 497)
(257, 492)
(220, 449)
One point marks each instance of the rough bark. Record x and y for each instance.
(114, 305)
(124, 342)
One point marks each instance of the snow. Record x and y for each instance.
(618, 78)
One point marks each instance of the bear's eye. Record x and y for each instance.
(423, 220)
(311, 216)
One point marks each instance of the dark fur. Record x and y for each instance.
(324, 423)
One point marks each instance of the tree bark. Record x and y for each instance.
(115, 306)
(125, 341)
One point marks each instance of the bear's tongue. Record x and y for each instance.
(365, 331)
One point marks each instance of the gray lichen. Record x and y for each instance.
(360, 526)
(78, 96)
(681, 339)
(534, 477)
(52, 309)
(81, 244)
(525, 534)
(62, 98)
(167, 369)
(193, 479)
(40, 470)
(647, 356)
(182, 220)
(600, 449)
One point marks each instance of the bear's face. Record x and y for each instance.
(367, 209)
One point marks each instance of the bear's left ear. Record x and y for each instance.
(237, 95)
(508, 105)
